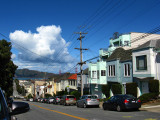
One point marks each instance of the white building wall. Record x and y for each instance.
(157, 66)
(152, 61)
(140, 53)
(141, 41)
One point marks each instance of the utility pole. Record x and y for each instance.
(81, 62)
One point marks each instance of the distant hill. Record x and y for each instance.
(32, 73)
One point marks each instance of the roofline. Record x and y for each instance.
(143, 32)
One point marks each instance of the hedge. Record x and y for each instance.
(131, 88)
(76, 93)
(106, 90)
(148, 96)
(153, 86)
(48, 95)
(117, 89)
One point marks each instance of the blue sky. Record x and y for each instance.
(41, 31)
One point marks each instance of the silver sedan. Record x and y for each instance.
(88, 100)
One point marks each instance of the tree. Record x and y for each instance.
(7, 67)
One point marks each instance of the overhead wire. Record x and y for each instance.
(142, 13)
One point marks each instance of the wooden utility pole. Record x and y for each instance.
(81, 62)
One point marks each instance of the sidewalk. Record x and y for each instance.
(153, 106)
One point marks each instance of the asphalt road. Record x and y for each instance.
(41, 111)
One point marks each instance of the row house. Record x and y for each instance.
(97, 71)
(39, 87)
(65, 80)
(118, 66)
(49, 87)
(146, 64)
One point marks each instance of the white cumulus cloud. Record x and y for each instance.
(13, 56)
(46, 46)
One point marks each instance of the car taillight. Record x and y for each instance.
(67, 98)
(74, 98)
(126, 101)
(88, 99)
(139, 100)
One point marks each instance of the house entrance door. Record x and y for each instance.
(145, 87)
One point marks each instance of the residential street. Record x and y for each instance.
(41, 111)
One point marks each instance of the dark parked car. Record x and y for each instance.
(68, 100)
(122, 102)
(45, 100)
(16, 107)
(57, 100)
(88, 100)
(9, 101)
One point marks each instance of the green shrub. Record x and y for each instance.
(117, 89)
(48, 95)
(106, 90)
(153, 86)
(131, 88)
(85, 92)
(76, 94)
(29, 96)
(60, 93)
(148, 96)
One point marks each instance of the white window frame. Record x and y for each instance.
(111, 70)
(128, 72)
(94, 74)
(103, 72)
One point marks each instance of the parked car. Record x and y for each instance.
(16, 107)
(41, 100)
(88, 100)
(50, 100)
(68, 100)
(31, 99)
(45, 100)
(57, 100)
(38, 100)
(122, 102)
(9, 101)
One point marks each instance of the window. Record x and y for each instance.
(89, 74)
(94, 74)
(126, 43)
(103, 73)
(141, 62)
(126, 70)
(111, 70)
(74, 83)
(97, 74)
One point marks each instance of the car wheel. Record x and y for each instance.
(77, 105)
(84, 105)
(64, 104)
(119, 109)
(104, 107)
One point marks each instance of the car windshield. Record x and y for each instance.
(70, 97)
(93, 97)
